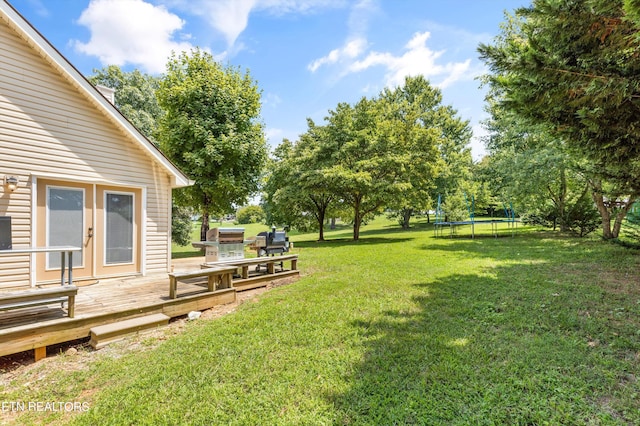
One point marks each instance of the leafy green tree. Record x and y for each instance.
(135, 96)
(368, 167)
(455, 172)
(212, 131)
(250, 214)
(456, 207)
(536, 170)
(181, 225)
(280, 203)
(298, 189)
(572, 66)
(430, 134)
(380, 152)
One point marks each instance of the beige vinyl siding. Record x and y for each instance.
(48, 128)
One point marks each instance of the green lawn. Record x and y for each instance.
(398, 328)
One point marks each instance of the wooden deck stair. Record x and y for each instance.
(104, 334)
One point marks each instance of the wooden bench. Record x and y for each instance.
(217, 278)
(45, 296)
(269, 261)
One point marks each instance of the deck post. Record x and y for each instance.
(62, 266)
(71, 306)
(226, 280)
(211, 282)
(173, 284)
(40, 353)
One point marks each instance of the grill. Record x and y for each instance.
(223, 244)
(226, 235)
(270, 243)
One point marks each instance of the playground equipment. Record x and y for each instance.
(441, 222)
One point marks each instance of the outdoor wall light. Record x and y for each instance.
(11, 182)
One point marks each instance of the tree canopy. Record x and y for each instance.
(212, 131)
(135, 96)
(533, 169)
(383, 152)
(572, 67)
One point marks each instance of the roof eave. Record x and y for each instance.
(75, 77)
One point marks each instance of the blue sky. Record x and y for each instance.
(306, 55)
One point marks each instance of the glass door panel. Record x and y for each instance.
(119, 228)
(65, 222)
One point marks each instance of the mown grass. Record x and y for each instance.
(397, 328)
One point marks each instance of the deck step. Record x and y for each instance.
(104, 334)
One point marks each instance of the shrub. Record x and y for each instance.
(583, 217)
(250, 214)
(181, 225)
(456, 208)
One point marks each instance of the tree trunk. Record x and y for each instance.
(356, 230)
(333, 223)
(598, 198)
(204, 227)
(622, 213)
(357, 220)
(321, 213)
(406, 217)
(562, 202)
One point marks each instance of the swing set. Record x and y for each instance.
(441, 222)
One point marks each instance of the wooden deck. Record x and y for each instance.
(109, 301)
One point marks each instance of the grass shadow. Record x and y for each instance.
(518, 347)
(344, 242)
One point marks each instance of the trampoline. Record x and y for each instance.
(440, 224)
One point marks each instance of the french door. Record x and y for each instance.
(118, 217)
(104, 221)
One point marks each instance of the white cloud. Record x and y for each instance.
(271, 100)
(39, 7)
(230, 17)
(417, 59)
(274, 136)
(360, 16)
(131, 32)
(356, 43)
(351, 50)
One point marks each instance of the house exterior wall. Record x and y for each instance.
(49, 130)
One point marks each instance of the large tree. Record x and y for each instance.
(212, 130)
(383, 152)
(368, 165)
(532, 168)
(298, 190)
(572, 65)
(432, 136)
(135, 96)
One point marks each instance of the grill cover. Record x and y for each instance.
(226, 235)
